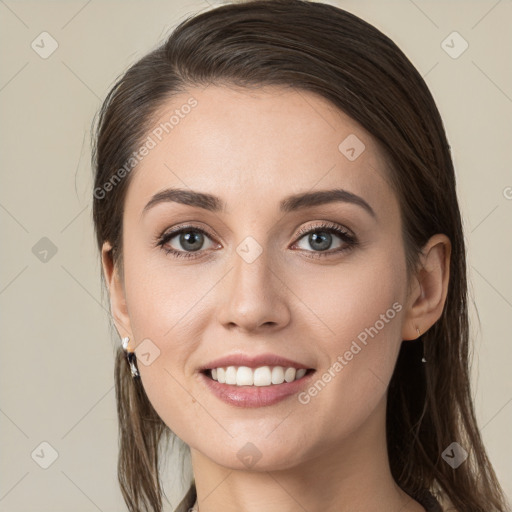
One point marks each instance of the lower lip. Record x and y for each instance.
(255, 396)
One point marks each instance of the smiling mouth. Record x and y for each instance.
(263, 376)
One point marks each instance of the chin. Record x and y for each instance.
(255, 454)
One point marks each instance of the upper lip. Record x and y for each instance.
(253, 361)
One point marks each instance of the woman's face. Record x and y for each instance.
(261, 279)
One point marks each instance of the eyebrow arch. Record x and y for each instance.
(289, 204)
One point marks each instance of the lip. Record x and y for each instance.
(255, 396)
(253, 361)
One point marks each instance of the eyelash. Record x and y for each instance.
(349, 239)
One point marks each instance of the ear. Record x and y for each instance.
(429, 287)
(115, 286)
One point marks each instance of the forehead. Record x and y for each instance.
(257, 146)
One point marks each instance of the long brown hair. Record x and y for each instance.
(325, 50)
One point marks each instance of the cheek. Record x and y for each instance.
(164, 306)
(163, 298)
(352, 296)
(165, 309)
(363, 311)
(358, 311)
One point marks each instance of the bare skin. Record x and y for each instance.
(252, 149)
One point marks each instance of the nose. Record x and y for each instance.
(253, 296)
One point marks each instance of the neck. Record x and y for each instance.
(353, 475)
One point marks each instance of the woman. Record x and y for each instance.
(276, 211)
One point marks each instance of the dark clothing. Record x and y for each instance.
(428, 501)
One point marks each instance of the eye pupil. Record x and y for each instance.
(191, 237)
(324, 237)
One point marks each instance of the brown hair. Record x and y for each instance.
(325, 50)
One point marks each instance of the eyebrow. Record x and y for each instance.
(289, 204)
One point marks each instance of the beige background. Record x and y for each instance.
(56, 371)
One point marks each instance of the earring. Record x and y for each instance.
(131, 357)
(423, 360)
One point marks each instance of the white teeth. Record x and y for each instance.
(230, 375)
(244, 376)
(300, 373)
(262, 376)
(277, 375)
(289, 374)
